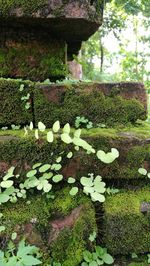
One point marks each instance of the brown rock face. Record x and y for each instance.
(72, 21)
(59, 224)
(128, 90)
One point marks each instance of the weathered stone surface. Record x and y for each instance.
(127, 90)
(26, 55)
(72, 21)
(145, 207)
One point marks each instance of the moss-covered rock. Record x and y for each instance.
(60, 227)
(66, 104)
(32, 59)
(126, 228)
(134, 149)
(13, 107)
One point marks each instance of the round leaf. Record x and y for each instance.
(142, 171)
(13, 236)
(31, 173)
(73, 191)
(71, 180)
(6, 184)
(69, 155)
(57, 178)
(44, 168)
(86, 181)
(97, 197)
(108, 259)
(3, 198)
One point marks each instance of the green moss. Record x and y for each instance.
(71, 242)
(12, 109)
(21, 212)
(69, 247)
(28, 7)
(74, 102)
(15, 146)
(138, 264)
(33, 60)
(126, 228)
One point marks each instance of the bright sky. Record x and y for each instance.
(128, 37)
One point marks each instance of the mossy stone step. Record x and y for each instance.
(126, 228)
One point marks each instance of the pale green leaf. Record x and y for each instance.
(66, 138)
(2, 228)
(57, 178)
(44, 168)
(97, 197)
(69, 155)
(31, 173)
(41, 126)
(50, 137)
(56, 126)
(13, 236)
(74, 191)
(66, 128)
(142, 171)
(86, 181)
(6, 184)
(71, 180)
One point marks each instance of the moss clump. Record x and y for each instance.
(138, 264)
(126, 228)
(28, 7)
(71, 241)
(13, 109)
(74, 102)
(21, 213)
(69, 247)
(33, 60)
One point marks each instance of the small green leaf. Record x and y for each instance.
(71, 180)
(77, 133)
(41, 126)
(6, 184)
(36, 165)
(56, 126)
(92, 236)
(21, 87)
(13, 236)
(31, 126)
(2, 228)
(31, 173)
(93, 263)
(66, 138)
(50, 137)
(66, 128)
(108, 157)
(56, 166)
(47, 187)
(57, 178)
(142, 171)
(36, 134)
(97, 197)
(59, 159)
(86, 181)
(69, 155)
(44, 168)
(108, 259)
(74, 191)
